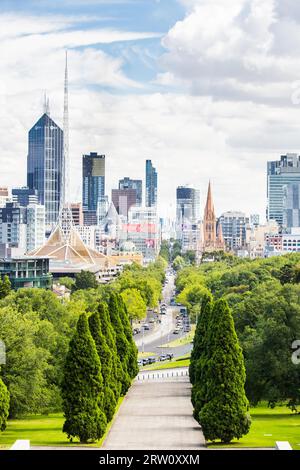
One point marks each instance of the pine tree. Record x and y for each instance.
(121, 341)
(82, 387)
(132, 366)
(5, 287)
(225, 415)
(4, 405)
(106, 359)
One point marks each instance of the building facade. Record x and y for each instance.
(234, 229)
(123, 200)
(44, 166)
(26, 272)
(151, 185)
(291, 205)
(35, 233)
(281, 173)
(127, 183)
(93, 180)
(4, 196)
(25, 196)
(187, 209)
(13, 226)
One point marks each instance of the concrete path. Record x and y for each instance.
(156, 415)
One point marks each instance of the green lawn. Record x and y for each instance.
(42, 431)
(183, 361)
(269, 426)
(181, 341)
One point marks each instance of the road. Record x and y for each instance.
(156, 415)
(162, 331)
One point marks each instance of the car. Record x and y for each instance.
(145, 361)
(140, 362)
(187, 329)
(151, 320)
(176, 331)
(136, 331)
(162, 357)
(151, 360)
(170, 356)
(146, 326)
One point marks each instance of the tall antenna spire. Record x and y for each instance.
(46, 106)
(65, 165)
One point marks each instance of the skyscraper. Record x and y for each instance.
(280, 173)
(44, 165)
(127, 183)
(291, 206)
(187, 205)
(151, 185)
(93, 179)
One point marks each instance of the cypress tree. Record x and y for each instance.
(4, 405)
(200, 333)
(110, 337)
(82, 387)
(225, 415)
(121, 341)
(200, 357)
(106, 359)
(132, 366)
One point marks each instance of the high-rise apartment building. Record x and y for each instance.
(35, 233)
(281, 172)
(291, 206)
(93, 180)
(151, 185)
(128, 183)
(13, 225)
(25, 196)
(44, 165)
(234, 229)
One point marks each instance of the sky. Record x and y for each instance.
(207, 89)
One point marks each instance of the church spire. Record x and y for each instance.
(209, 208)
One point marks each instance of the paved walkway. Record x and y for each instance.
(156, 415)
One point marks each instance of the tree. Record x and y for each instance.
(225, 415)
(82, 387)
(85, 280)
(178, 263)
(121, 340)
(132, 366)
(200, 335)
(106, 359)
(4, 405)
(68, 282)
(5, 287)
(135, 303)
(110, 336)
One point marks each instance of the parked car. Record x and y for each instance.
(151, 320)
(145, 361)
(176, 331)
(146, 326)
(140, 362)
(151, 360)
(162, 357)
(170, 356)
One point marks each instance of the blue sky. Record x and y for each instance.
(140, 57)
(207, 89)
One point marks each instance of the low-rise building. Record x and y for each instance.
(26, 271)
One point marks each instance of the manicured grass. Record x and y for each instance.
(269, 426)
(183, 361)
(181, 341)
(143, 355)
(43, 431)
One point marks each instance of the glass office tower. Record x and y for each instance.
(44, 165)
(151, 185)
(282, 172)
(93, 181)
(128, 183)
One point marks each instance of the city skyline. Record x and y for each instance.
(143, 106)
